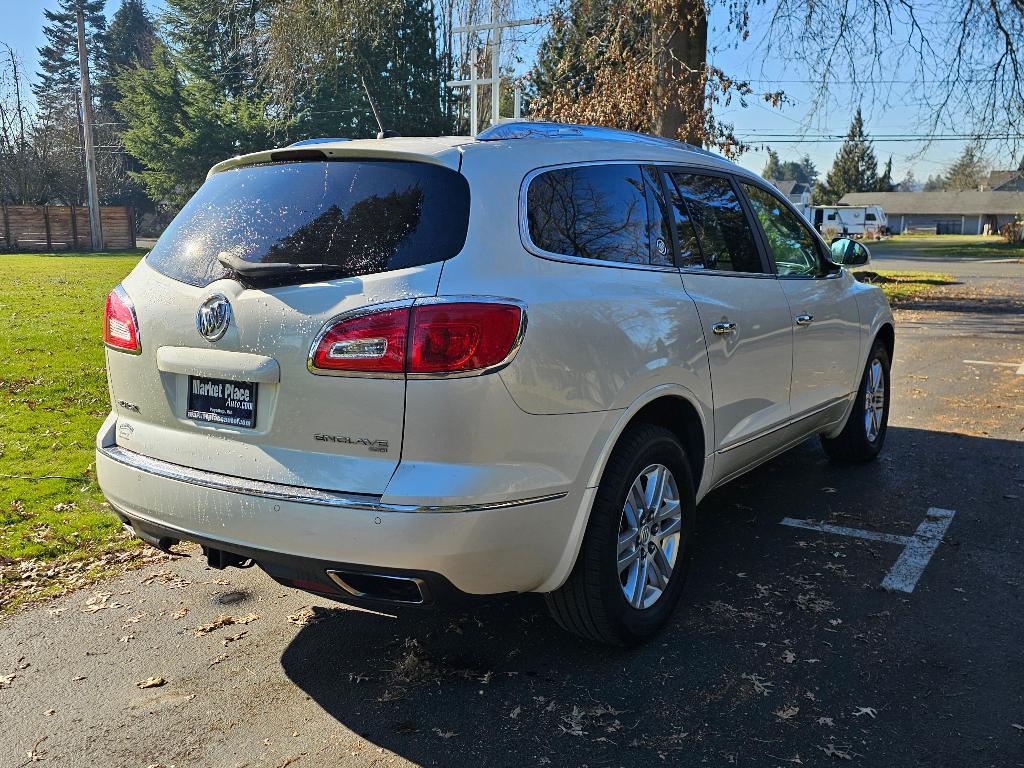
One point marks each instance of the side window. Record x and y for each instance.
(726, 240)
(590, 212)
(657, 214)
(689, 249)
(869, 217)
(791, 246)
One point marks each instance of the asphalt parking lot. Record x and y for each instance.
(787, 650)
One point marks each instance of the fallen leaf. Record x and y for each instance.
(6, 680)
(1018, 726)
(218, 660)
(152, 682)
(871, 711)
(233, 638)
(761, 685)
(789, 657)
(786, 713)
(445, 734)
(50, 712)
(224, 620)
(833, 751)
(180, 613)
(515, 712)
(304, 617)
(825, 721)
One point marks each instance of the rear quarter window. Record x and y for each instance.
(590, 212)
(365, 216)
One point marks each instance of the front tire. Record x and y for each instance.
(635, 554)
(864, 434)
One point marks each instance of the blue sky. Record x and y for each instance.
(888, 111)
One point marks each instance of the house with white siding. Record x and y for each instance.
(944, 213)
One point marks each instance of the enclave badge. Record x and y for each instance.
(214, 317)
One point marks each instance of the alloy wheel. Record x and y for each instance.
(874, 400)
(649, 536)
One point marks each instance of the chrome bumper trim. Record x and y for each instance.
(293, 493)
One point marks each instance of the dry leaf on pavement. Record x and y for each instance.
(785, 713)
(224, 620)
(871, 711)
(152, 682)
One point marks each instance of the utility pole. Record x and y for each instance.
(95, 225)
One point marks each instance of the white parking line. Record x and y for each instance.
(917, 549)
(1018, 366)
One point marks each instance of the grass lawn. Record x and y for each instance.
(53, 398)
(899, 286)
(957, 246)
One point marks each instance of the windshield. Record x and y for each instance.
(362, 216)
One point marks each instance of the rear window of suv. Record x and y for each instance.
(365, 216)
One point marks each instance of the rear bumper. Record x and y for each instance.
(511, 546)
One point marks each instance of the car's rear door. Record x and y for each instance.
(743, 312)
(825, 320)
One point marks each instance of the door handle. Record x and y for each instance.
(720, 329)
(804, 319)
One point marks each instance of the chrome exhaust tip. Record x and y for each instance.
(409, 590)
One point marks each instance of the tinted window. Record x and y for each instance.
(791, 246)
(657, 215)
(869, 217)
(590, 212)
(689, 249)
(365, 216)
(726, 241)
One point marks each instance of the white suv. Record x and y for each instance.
(419, 370)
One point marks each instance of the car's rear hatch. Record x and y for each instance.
(244, 403)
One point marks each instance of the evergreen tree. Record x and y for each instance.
(803, 170)
(219, 41)
(773, 168)
(967, 172)
(935, 183)
(179, 126)
(909, 183)
(808, 169)
(579, 43)
(58, 85)
(128, 42)
(316, 73)
(885, 180)
(855, 168)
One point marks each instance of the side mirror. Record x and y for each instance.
(849, 253)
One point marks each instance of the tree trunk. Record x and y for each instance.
(680, 34)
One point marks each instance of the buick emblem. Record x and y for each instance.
(214, 317)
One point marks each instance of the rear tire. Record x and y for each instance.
(864, 434)
(602, 600)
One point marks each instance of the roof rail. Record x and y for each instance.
(529, 129)
(325, 140)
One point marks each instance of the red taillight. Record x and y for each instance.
(428, 339)
(370, 343)
(120, 328)
(448, 338)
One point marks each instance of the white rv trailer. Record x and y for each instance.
(856, 220)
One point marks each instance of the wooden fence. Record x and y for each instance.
(63, 228)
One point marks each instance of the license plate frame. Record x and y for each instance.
(225, 402)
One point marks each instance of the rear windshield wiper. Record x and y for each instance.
(271, 270)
